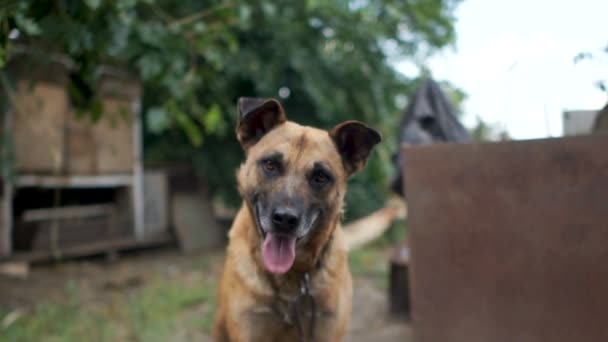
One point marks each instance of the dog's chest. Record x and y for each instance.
(292, 315)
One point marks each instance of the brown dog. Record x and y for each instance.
(286, 275)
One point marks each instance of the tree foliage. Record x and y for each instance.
(328, 61)
(601, 84)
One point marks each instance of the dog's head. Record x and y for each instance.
(294, 178)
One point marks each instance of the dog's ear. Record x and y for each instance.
(257, 117)
(354, 141)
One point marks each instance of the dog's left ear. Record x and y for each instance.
(354, 141)
(257, 117)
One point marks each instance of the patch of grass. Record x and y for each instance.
(155, 312)
(65, 321)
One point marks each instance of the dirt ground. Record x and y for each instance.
(143, 291)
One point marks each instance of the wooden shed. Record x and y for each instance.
(74, 185)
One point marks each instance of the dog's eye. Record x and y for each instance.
(270, 165)
(320, 177)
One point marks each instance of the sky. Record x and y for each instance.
(514, 59)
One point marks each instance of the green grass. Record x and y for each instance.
(58, 322)
(155, 312)
(161, 308)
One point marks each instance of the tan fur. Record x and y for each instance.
(371, 227)
(246, 291)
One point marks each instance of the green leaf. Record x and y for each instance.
(27, 25)
(157, 120)
(150, 66)
(185, 122)
(212, 121)
(93, 4)
(335, 57)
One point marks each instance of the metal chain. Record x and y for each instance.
(305, 294)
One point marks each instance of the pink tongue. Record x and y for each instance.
(278, 252)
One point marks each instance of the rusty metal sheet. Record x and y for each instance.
(509, 241)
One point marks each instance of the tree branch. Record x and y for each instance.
(199, 15)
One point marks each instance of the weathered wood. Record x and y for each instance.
(32, 215)
(113, 136)
(138, 172)
(55, 149)
(156, 202)
(51, 139)
(194, 222)
(6, 209)
(97, 247)
(81, 149)
(12, 269)
(508, 240)
(399, 289)
(105, 146)
(113, 229)
(6, 225)
(2, 233)
(57, 235)
(39, 127)
(123, 200)
(100, 181)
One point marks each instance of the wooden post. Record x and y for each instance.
(138, 172)
(6, 227)
(399, 289)
(113, 230)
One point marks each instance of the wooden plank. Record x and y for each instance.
(15, 269)
(156, 202)
(123, 199)
(57, 235)
(138, 172)
(2, 233)
(6, 226)
(508, 240)
(195, 224)
(93, 248)
(39, 127)
(6, 211)
(33, 215)
(76, 181)
(399, 284)
(81, 145)
(113, 137)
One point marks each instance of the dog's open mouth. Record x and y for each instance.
(278, 249)
(278, 252)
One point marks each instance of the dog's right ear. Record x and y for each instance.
(257, 117)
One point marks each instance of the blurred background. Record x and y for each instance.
(120, 115)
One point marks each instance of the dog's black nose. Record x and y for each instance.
(285, 218)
